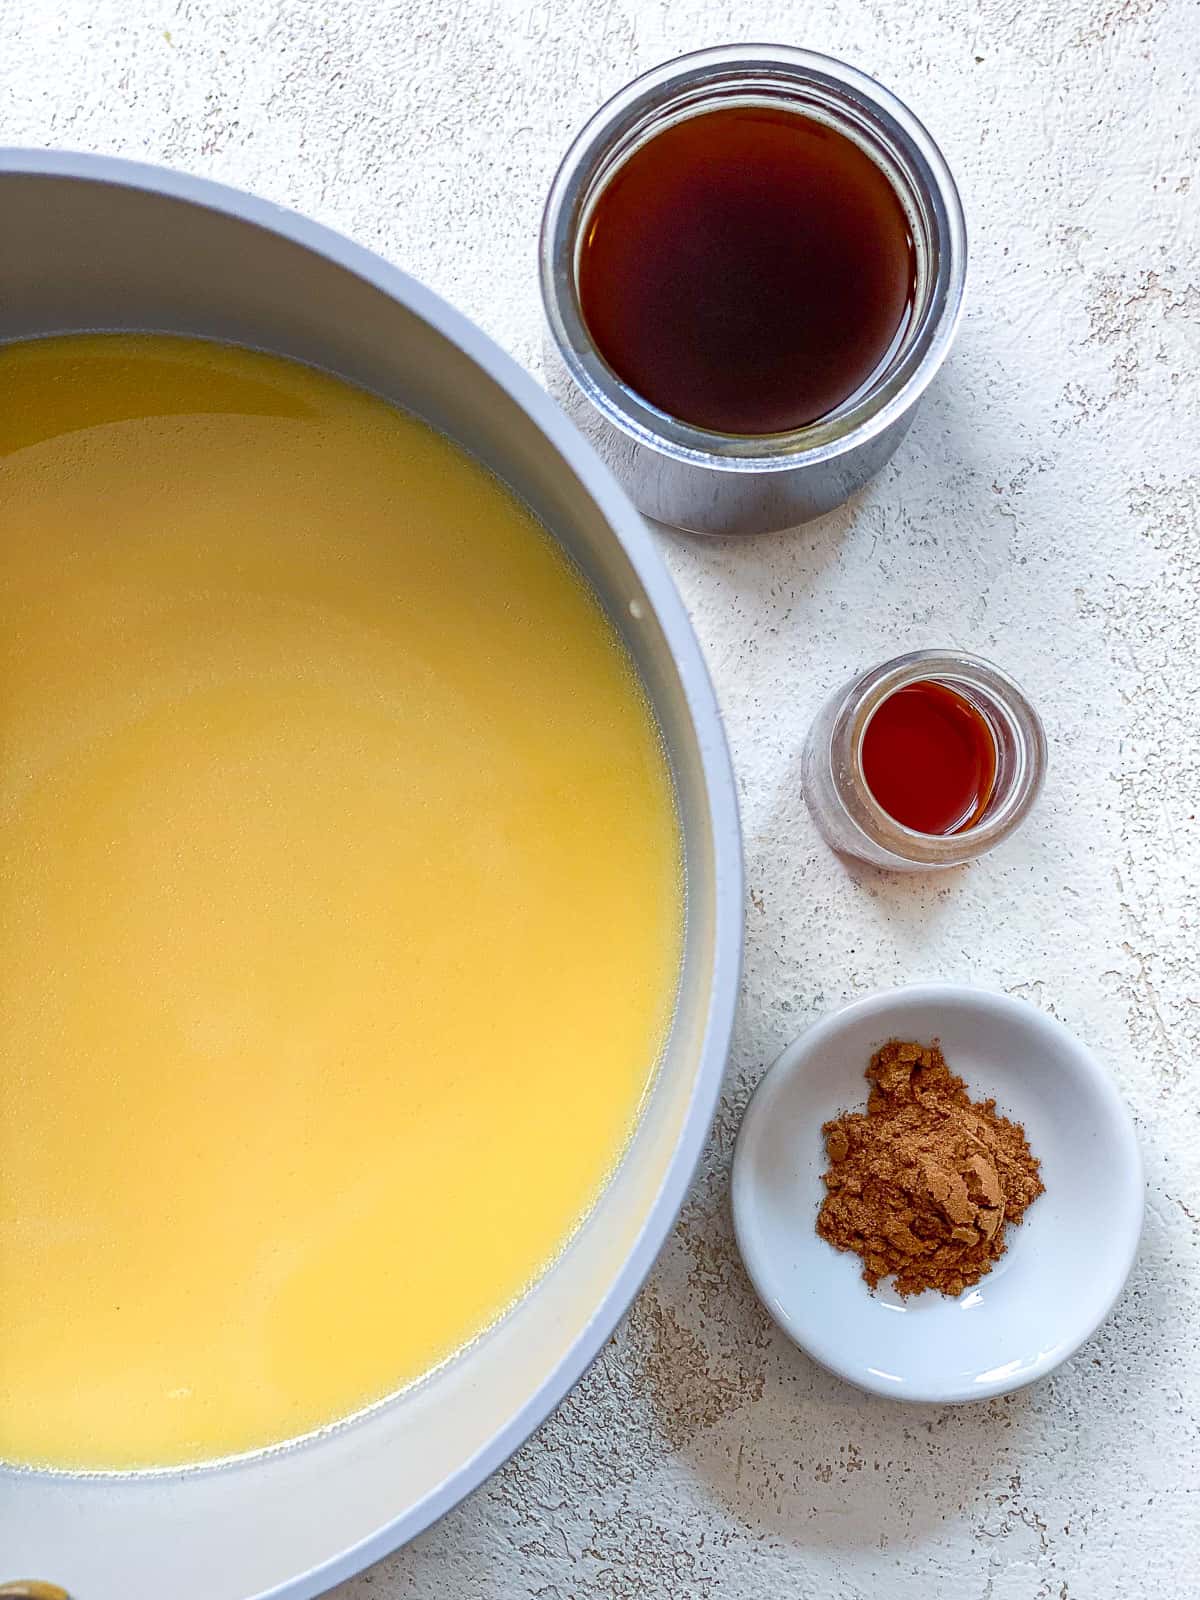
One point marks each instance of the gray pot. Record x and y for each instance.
(92, 243)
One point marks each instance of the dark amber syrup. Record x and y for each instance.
(747, 270)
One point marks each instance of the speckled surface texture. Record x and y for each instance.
(1042, 512)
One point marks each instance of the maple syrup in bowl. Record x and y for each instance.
(748, 270)
(752, 265)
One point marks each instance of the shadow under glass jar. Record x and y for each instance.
(692, 477)
(840, 799)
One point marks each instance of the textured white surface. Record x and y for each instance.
(1042, 512)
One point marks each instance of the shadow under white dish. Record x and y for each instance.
(1065, 1264)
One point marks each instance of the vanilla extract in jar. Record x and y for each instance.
(928, 760)
(928, 757)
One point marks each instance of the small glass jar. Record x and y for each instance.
(846, 811)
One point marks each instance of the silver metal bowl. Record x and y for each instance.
(745, 483)
(93, 243)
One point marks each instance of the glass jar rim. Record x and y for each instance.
(857, 105)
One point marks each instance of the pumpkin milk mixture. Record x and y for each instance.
(340, 900)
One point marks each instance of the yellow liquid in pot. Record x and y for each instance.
(340, 900)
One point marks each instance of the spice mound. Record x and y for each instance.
(923, 1182)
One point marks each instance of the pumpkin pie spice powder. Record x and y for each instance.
(922, 1184)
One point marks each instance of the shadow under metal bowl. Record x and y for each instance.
(93, 243)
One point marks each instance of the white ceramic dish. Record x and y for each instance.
(1065, 1265)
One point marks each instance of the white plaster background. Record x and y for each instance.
(1043, 512)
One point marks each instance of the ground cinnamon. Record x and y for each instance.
(922, 1184)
